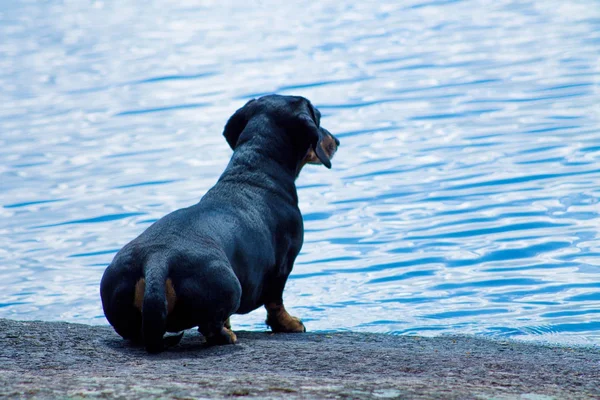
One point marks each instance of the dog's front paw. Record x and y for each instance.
(281, 321)
(288, 324)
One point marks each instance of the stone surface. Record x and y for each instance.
(61, 360)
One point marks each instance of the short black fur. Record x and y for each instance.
(233, 251)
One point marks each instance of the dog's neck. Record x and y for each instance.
(264, 141)
(265, 156)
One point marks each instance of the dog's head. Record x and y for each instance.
(298, 118)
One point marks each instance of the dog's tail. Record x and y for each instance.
(154, 308)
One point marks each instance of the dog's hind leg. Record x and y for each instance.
(217, 330)
(123, 314)
(217, 333)
(118, 292)
(212, 296)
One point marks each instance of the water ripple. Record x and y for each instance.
(159, 109)
(463, 199)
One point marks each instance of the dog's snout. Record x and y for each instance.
(331, 149)
(327, 133)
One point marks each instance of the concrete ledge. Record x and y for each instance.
(61, 360)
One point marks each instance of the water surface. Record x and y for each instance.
(464, 198)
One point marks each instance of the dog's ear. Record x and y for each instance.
(236, 124)
(310, 117)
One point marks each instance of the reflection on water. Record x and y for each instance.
(464, 198)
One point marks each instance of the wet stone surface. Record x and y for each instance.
(50, 359)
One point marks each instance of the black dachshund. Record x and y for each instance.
(233, 251)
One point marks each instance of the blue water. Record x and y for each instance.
(464, 198)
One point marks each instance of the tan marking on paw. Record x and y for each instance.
(231, 335)
(226, 336)
(281, 321)
(227, 324)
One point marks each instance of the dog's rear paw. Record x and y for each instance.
(281, 321)
(226, 336)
